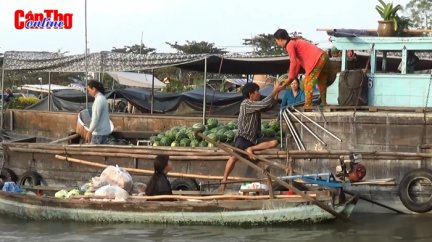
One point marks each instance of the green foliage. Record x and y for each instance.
(388, 11)
(264, 44)
(194, 47)
(21, 102)
(135, 49)
(420, 13)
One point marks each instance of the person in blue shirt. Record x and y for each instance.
(294, 95)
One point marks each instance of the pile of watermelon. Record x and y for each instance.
(215, 130)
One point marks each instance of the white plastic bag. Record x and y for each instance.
(115, 175)
(112, 191)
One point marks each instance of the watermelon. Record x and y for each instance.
(194, 143)
(230, 135)
(181, 135)
(221, 131)
(274, 124)
(165, 141)
(265, 125)
(212, 123)
(231, 125)
(199, 127)
(170, 134)
(174, 144)
(212, 136)
(222, 137)
(154, 139)
(185, 142)
(268, 133)
(206, 133)
(203, 144)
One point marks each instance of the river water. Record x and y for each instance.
(364, 227)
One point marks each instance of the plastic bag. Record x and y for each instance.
(71, 193)
(138, 188)
(61, 194)
(11, 187)
(112, 191)
(98, 182)
(115, 175)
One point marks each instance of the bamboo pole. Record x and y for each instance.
(147, 172)
(65, 139)
(283, 183)
(201, 198)
(124, 155)
(219, 197)
(269, 162)
(374, 30)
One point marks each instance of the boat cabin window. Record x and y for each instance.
(393, 62)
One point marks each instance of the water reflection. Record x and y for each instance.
(365, 227)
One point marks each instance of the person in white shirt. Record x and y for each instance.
(100, 126)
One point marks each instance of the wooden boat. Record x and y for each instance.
(213, 210)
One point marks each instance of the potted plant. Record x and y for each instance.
(388, 25)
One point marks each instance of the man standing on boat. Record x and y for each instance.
(100, 126)
(314, 61)
(248, 137)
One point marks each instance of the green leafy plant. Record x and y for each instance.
(403, 23)
(21, 102)
(389, 12)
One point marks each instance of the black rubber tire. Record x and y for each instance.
(184, 184)
(30, 178)
(404, 190)
(8, 175)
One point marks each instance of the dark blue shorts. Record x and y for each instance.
(243, 144)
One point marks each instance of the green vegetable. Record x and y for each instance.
(268, 133)
(210, 145)
(175, 144)
(274, 124)
(154, 139)
(212, 123)
(181, 135)
(203, 144)
(71, 193)
(229, 135)
(199, 127)
(212, 136)
(194, 143)
(165, 141)
(156, 143)
(61, 194)
(185, 142)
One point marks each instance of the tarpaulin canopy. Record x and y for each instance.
(133, 79)
(190, 102)
(113, 62)
(63, 100)
(47, 88)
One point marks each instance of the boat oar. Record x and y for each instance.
(375, 202)
(273, 177)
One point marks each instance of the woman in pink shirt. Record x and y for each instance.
(314, 61)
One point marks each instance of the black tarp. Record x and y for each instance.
(64, 100)
(190, 102)
(187, 103)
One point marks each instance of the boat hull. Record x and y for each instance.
(210, 213)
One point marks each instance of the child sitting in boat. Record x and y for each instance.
(159, 184)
